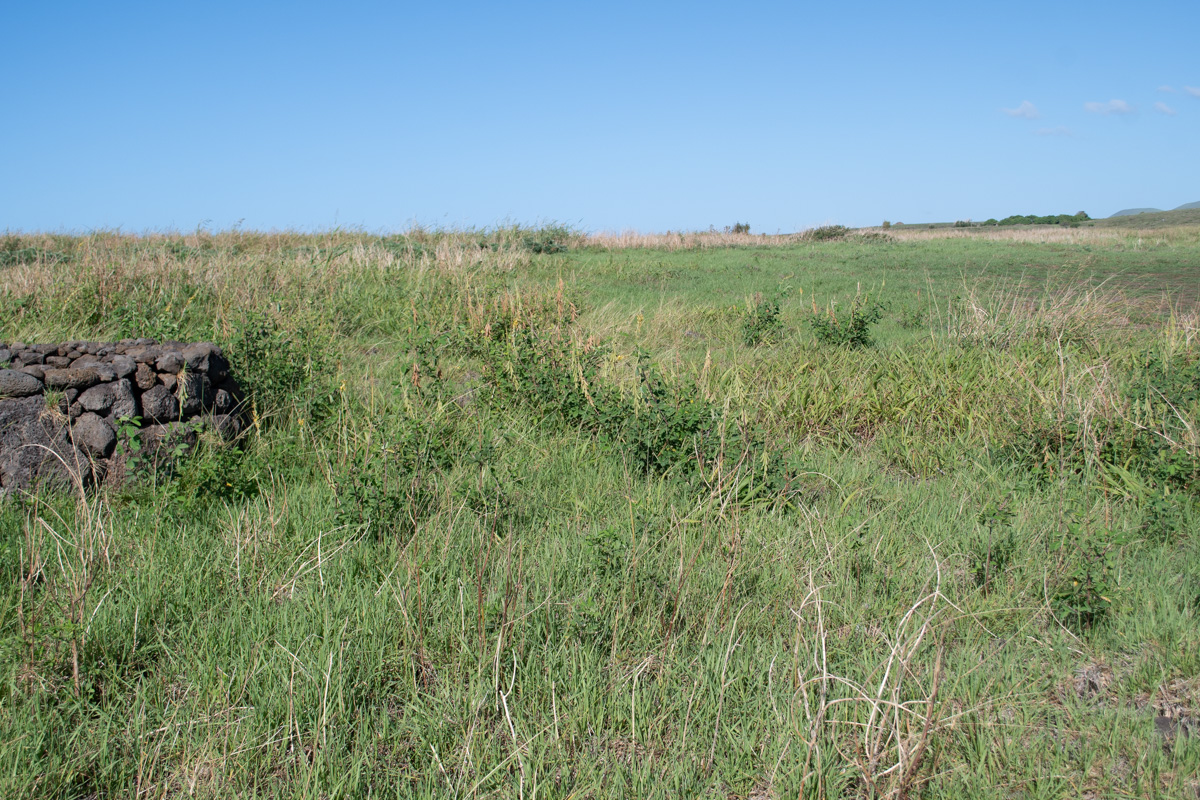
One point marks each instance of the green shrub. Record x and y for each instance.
(761, 321)
(826, 233)
(1083, 598)
(1051, 219)
(853, 329)
(278, 369)
(990, 553)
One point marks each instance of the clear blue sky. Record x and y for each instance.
(165, 116)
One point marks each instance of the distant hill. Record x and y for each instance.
(1186, 206)
(1158, 219)
(1129, 212)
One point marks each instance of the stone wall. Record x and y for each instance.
(62, 405)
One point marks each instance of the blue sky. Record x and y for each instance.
(656, 116)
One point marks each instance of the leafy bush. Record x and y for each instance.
(14, 251)
(853, 329)
(277, 368)
(990, 554)
(826, 233)
(740, 227)
(761, 321)
(1052, 219)
(664, 427)
(543, 244)
(1083, 598)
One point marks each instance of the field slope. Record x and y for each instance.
(528, 513)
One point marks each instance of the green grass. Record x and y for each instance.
(960, 563)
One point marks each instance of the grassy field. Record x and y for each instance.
(526, 513)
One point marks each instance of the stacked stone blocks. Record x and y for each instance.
(63, 405)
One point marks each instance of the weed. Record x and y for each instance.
(761, 321)
(279, 369)
(826, 233)
(991, 554)
(852, 329)
(1083, 598)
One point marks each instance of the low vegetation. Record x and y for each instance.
(556, 515)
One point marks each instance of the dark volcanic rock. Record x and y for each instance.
(34, 447)
(207, 358)
(95, 436)
(194, 393)
(228, 425)
(223, 402)
(169, 362)
(125, 402)
(99, 398)
(159, 405)
(177, 388)
(124, 366)
(145, 377)
(18, 384)
(170, 435)
(77, 378)
(144, 354)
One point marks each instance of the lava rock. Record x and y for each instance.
(34, 447)
(223, 402)
(80, 378)
(159, 405)
(125, 402)
(206, 357)
(124, 366)
(194, 393)
(99, 398)
(144, 377)
(144, 354)
(94, 435)
(18, 384)
(170, 362)
(228, 425)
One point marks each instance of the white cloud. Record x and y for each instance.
(1061, 130)
(1166, 89)
(1163, 108)
(1026, 110)
(1192, 90)
(1111, 107)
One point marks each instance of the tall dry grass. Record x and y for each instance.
(1049, 234)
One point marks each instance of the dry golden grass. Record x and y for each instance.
(1050, 234)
